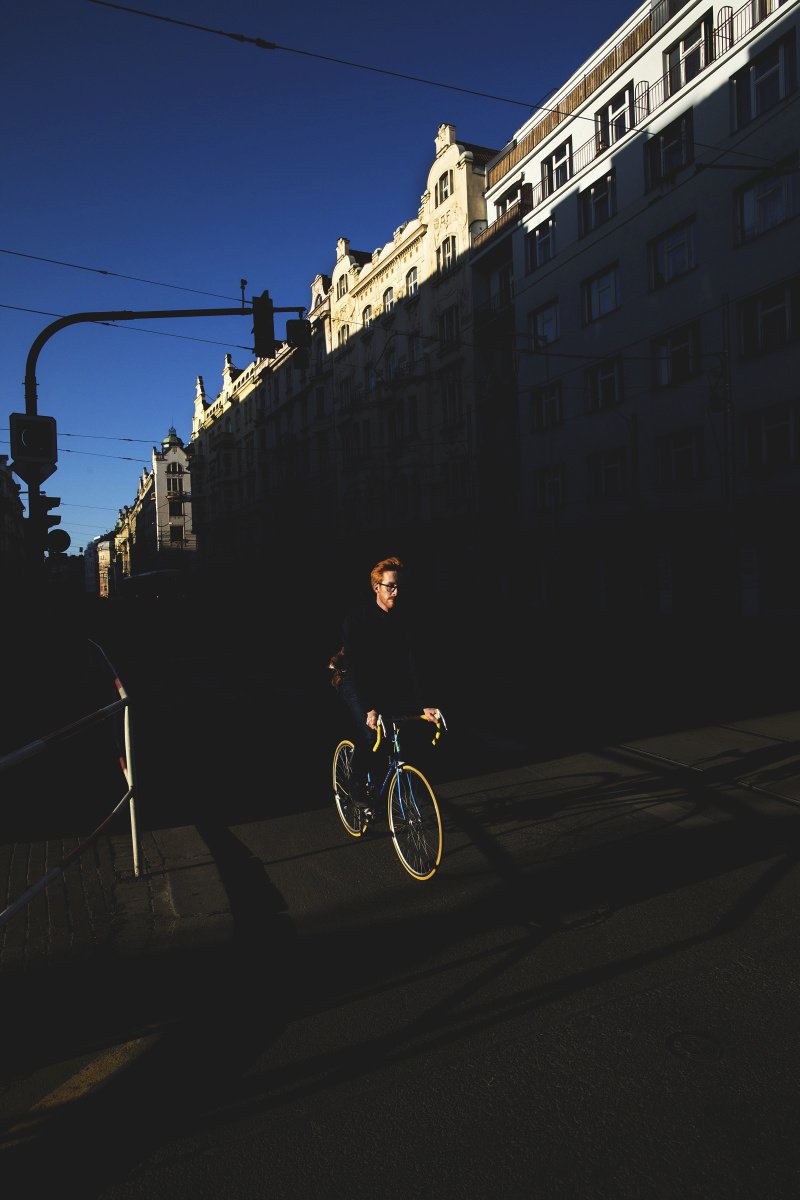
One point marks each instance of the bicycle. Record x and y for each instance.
(414, 819)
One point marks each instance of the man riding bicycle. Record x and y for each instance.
(381, 671)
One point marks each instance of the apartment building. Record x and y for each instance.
(637, 293)
(366, 442)
(156, 532)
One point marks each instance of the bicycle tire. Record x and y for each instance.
(352, 817)
(415, 822)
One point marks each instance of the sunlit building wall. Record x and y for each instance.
(638, 314)
(360, 443)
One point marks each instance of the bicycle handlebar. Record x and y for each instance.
(380, 726)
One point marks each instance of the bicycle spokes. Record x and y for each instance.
(415, 822)
(351, 814)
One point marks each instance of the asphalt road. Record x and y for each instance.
(595, 997)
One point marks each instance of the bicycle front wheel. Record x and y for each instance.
(415, 823)
(351, 816)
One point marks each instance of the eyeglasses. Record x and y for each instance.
(390, 587)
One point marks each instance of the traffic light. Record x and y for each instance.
(34, 446)
(298, 333)
(41, 519)
(39, 509)
(263, 326)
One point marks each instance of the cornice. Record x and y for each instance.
(397, 256)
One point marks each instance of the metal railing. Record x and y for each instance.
(41, 745)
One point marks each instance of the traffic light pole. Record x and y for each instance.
(124, 315)
(31, 399)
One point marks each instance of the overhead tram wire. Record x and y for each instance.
(263, 44)
(117, 275)
(184, 337)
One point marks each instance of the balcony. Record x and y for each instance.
(512, 216)
(731, 28)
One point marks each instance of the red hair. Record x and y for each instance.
(386, 564)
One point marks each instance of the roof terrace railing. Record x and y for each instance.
(731, 29)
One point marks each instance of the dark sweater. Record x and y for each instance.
(381, 666)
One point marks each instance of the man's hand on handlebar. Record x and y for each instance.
(430, 714)
(372, 718)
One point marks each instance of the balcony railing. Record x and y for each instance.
(732, 27)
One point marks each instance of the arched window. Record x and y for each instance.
(411, 282)
(388, 300)
(366, 316)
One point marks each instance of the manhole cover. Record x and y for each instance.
(702, 1047)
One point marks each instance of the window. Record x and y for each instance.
(175, 533)
(557, 168)
(540, 244)
(543, 325)
(443, 188)
(412, 286)
(549, 489)
(769, 202)
(547, 407)
(388, 300)
(502, 286)
(664, 11)
(672, 254)
(666, 152)
(452, 401)
(174, 481)
(344, 392)
(601, 294)
(689, 55)
(448, 326)
(607, 474)
(341, 287)
(771, 437)
(175, 508)
(343, 335)
(603, 384)
(446, 254)
(763, 8)
(765, 81)
(597, 203)
(676, 355)
(509, 198)
(679, 457)
(366, 317)
(769, 319)
(614, 120)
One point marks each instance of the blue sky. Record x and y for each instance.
(163, 155)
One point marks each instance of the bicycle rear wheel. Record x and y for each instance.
(415, 823)
(351, 816)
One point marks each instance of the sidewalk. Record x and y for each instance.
(97, 913)
(96, 910)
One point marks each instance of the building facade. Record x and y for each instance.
(638, 310)
(366, 441)
(156, 532)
